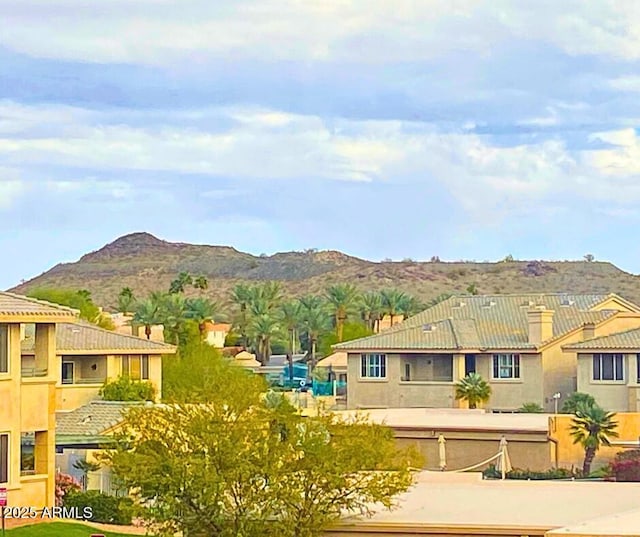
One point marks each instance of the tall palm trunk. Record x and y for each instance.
(589, 454)
(147, 331)
(340, 319)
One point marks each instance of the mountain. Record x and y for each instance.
(146, 263)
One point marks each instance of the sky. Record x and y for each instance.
(382, 128)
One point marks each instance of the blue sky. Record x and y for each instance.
(385, 129)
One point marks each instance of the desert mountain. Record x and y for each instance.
(146, 263)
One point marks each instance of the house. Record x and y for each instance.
(609, 368)
(81, 434)
(515, 342)
(215, 334)
(27, 412)
(87, 356)
(336, 365)
(124, 325)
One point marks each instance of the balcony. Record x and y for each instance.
(32, 372)
(426, 368)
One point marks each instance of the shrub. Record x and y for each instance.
(65, 485)
(125, 389)
(571, 403)
(626, 466)
(517, 473)
(106, 509)
(531, 408)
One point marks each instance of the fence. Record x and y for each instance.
(329, 388)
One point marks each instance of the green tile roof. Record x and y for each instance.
(86, 337)
(629, 339)
(92, 419)
(483, 322)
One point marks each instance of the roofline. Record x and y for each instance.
(631, 305)
(519, 350)
(106, 352)
(604, 350)
(601, 323)
(463, 429)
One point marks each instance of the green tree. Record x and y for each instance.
(78, 299)
(201, 283)
(125, 389)
(172, 309)
(531, 408)
(264, 328)
(200, 310)
(570, 404)
(246, 464)
(392, 302)
(410, 306)
(183, 281)
(591, 427)
(126, 300)
(371, 307)
(351, 331)
(315, 322)
(342, 298)
(147, 314)
(291, 319)
(241, 297)
(472, 289)
(473, 389)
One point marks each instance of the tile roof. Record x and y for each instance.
(629, 339)
(483, 322)
(18, 305)
(83, 336)
(93, 419)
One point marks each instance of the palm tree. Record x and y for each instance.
(291, 313)
(126, 300)
(270, 293)
(410, 306)
(178, 285)
(241, 297)
(342, 298)
(264, 328)
(392, 300)
(200, 310)
(372, 310)
(473, 389)
(147, 314)
(591, 427)
(172, 312)
(201, 283)
(315, 322)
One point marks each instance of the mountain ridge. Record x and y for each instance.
(147, 263)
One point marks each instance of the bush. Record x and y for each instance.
(65, 484)
(516, 473)
(106, 509)
(531, 408)
(125, 389)
(626, 466)
(571, 403)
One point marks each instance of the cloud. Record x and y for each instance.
(165, 32)
(10, 190)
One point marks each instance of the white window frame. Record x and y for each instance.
(614, 368)
(509, 363)
(373, 366)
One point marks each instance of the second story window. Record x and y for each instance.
(608, 367)
(506, 366)
(4, 348)
(4, 458)
(373, 366)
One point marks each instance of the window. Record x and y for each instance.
(136, 367)
(608, 367)
(4, 348)
(145, 367)
(27, 454)
(67, 372)
(4, 458)
(373, 365)
(407, 372)
(506, 366)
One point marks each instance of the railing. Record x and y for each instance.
(85, 380)
(326, 388)
(424, 379)
(30, 372)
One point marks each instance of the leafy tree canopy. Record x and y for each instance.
(77, 299)
(574, 400)
(350, 331)
(125, 389)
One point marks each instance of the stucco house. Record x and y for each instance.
(87, 356)
(27, 412)
(518, 343)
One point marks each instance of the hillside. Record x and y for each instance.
(146, 263)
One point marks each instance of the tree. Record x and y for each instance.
(247, 464)
(178, 285)
(508, 259)
(589, 258)
(473, 389)
(410, 306)
(201, 282)
(372, 310)
(315, 322)
(342, 298)
(351, 331)
(570, 404)
(531, 408)
(78, 299)
(472, 289)
(392, 300)
(200, 310)
(264, 328)
(172, 309)
(241, 297)
(126, 300)
(125, 389)
(147, 314)
(291, 314)
(591, 427)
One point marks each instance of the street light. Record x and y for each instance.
(556, 397)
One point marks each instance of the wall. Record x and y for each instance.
(570, 454)
(611, 395)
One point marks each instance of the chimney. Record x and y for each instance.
(540, 324)
(588, 331)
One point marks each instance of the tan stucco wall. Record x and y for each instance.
(28, 405)
(611, 395)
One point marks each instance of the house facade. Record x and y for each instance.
(87, 356)
(27, 412)
(515, 342)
